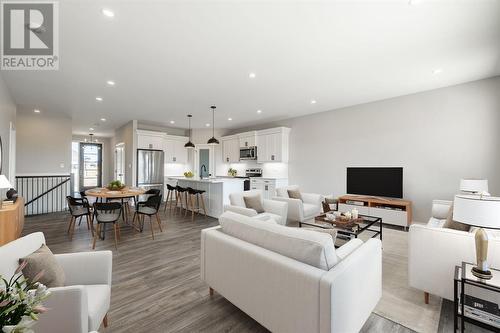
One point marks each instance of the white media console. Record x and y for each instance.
(392, 211)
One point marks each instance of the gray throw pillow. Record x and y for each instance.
(254, 202)
(452, 224)
(294, 194)
(44, 260)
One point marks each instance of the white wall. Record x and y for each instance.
(7, 115)
(43, 143)
(438, 137)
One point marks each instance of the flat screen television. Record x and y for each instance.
(380, 182)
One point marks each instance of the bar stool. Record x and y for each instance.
(198, 194)
(181, 194)
(171, 191)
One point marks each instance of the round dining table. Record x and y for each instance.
(125, 193)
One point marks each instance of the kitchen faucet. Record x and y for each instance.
(203, 167)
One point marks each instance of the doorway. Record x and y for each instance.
(204, 160)
(90, 165)
(120, 162)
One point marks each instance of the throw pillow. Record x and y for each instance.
(254, 202)
(451, 224)
(331, 232)
(294, 194)
(44, 260)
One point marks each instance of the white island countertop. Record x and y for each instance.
(206, 180)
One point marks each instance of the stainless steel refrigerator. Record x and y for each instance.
(150, 167)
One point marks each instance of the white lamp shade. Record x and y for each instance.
(4, 182)
(474, 185)
(477, 211)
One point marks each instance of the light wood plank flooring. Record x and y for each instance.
(156, 283)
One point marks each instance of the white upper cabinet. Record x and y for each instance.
(272, 145)
(175, 152)
(230, 149)
(150, 140)
(247, 139)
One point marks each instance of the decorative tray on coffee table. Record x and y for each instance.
(340, 221)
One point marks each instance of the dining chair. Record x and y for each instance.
(78, 208)
(149, 208)
(104, 213)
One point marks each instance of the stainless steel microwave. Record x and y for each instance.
(248, 153)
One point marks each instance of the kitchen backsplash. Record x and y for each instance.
(269, 170)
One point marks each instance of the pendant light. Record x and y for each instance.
(189, 144)
(213, 140)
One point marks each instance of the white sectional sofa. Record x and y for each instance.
(434, 252)
(272, 209)
(335, 291)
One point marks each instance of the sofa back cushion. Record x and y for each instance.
(310, 247)
(10, 253)
(283, 191)
(440, 209)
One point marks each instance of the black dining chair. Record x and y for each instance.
(78, 208)
(104, 213)
(149, 208)
(147, 194)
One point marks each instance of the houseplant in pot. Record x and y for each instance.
(21, 302)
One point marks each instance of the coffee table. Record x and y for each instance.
(371, 224)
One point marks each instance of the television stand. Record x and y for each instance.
(392, 211)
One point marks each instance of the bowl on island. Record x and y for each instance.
(188, 174)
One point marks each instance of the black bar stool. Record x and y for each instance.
(171, 191)
(181, 195)
(198, 195)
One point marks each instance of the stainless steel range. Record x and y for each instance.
(252, 172)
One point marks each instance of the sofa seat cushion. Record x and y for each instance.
(310, 247)
(268, 216)
(98, 296)
(310, 210)
(436, 223)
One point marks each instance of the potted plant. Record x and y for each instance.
(21, 302)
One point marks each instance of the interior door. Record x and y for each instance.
(90, 165)
(120, 163)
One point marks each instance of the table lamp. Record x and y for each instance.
(482, 212)
(4, 184)
(474, 185)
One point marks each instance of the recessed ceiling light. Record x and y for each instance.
(207, 124)
(36, 111)
(229, 119)
(172, 122)
(103, 119)
(252, 75)
(313, 101)
(110, 83)
(108, 12)
(437, 71)
(259, 111)
(99, 99)
(91, 129)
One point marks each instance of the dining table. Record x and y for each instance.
(123, 194)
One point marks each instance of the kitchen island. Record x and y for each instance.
(217, 190)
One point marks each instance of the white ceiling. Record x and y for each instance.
(171, 58)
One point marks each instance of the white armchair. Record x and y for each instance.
(81, 305)
(300, 210)
(272, 209)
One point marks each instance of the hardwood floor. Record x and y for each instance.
(156, 283)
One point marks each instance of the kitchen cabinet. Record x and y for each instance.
(247, 139)
(150, 140)
(272, 145)
(267, 186)
(231, 149)
(175, 152)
